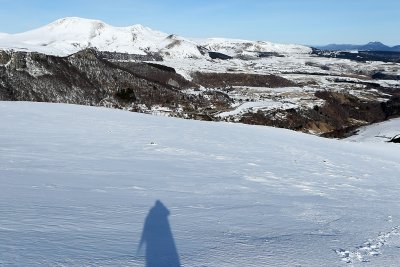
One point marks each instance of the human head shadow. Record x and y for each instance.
(158, 239)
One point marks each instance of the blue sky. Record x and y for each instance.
(287, 21)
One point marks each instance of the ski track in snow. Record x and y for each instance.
(78, 182)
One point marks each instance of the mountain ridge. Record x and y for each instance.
(69, 35)
(371, 46)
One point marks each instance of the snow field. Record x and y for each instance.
(78, 182)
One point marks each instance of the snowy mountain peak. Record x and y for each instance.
(75, 20)
(140, 28)
(69, 35)
(71, 23)
(65, 28)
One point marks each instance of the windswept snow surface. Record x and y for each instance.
(77, 183)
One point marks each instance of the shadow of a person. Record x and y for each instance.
(157, 237)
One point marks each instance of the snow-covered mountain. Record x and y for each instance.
(69, 35)
(234, 47)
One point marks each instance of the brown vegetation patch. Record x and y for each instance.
(222, 80)
(167, 76)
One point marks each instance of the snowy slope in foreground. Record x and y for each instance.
(77, 184)
(70, 35)
(378, 132)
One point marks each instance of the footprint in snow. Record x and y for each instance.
(370, 248)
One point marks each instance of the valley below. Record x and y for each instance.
(324, 96)
(287, 86)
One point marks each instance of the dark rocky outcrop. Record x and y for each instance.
(217, 55)
(395, 139)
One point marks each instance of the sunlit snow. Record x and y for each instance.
(70, 35)
(77, 184)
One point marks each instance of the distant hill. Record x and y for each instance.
(396, 48)
(372, 46)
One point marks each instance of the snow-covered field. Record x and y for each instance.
(77, 183)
